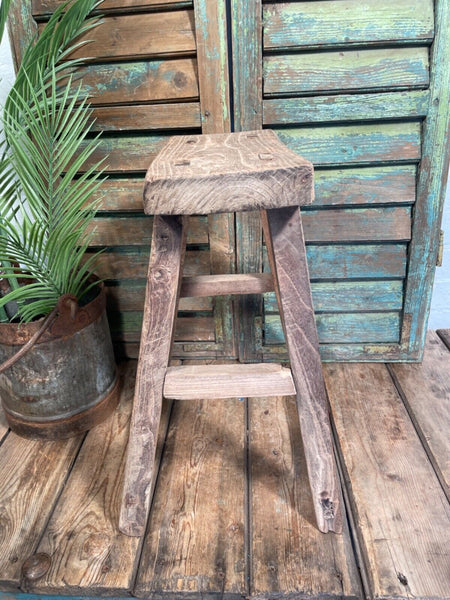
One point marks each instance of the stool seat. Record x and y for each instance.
(234, 172)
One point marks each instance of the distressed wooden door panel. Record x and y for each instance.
(355, 87)
(358, 87)
(153, 68)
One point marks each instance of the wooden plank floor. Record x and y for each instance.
(232, 515)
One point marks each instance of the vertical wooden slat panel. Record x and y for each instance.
(431, 188)
(212, 60)
(247, 86)
(21, 28)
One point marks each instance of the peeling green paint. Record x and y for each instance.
(343, 328)
(297, 24)
(308, 72)
(350, 143)
(431, 185)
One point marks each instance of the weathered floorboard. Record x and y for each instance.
(289, 556)
(401, 512)
(195, 543)
(425, 390)
(444, 334)
(162, 293)
(82, 537)
(32, 474)
(195, 540)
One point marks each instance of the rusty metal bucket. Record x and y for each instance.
(68, 381)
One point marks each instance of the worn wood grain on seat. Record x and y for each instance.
(226, 172)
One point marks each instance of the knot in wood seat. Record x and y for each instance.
(234, 172)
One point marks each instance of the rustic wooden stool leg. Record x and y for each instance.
(162, 293)
(285, 243)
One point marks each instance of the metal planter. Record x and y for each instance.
(67, 382)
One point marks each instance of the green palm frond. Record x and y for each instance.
(49, 54)
(45, 229)
(46, 206)
(4, 9)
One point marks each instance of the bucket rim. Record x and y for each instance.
(65, 324)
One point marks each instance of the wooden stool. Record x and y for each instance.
(203, 174)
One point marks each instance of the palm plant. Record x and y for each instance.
(46, 206)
